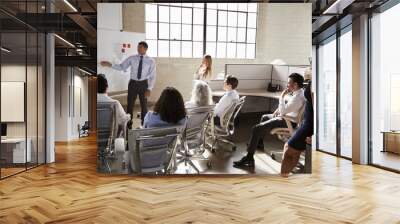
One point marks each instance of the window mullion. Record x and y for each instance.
(204, 28)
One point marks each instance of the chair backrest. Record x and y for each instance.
(153, 149)
(197, 118)
(300, 115)
(106, 125)
(298, 119)
(229, 117)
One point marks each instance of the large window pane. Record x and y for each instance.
(241, 35)
(163, 48)
(197, 33)
(151, 12)
(252, 7)
(251, 35)
(211, 33)
(210, 48)
(346, 94)
(198, 16)
(232, 18)
(327, 96)
(222, 18)
(221, 50)
(187, 15)
(175, 15)
(231, 50)
(151, 31)
(242, 7)
(222, 34)
(211, 17)
(232, 6)
(232, 34)
(250, 51)
(186, 32)
(164, 31)
(175, 50)
(252, 20)
(175, 33)
(241, 51)
(186, 49)
(163, 15)
(385, 88)
(197, 49)
(242, 19)
(152, 50)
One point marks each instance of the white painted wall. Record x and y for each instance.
(68, 81)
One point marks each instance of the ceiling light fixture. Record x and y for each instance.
(84, 71)
(5, 50)
(70, 5)
(337, 7)
(64, 40)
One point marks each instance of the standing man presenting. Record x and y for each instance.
(143, 77)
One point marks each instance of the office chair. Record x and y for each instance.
(153, 150)
(227, 128)
(84, 129)
(194, 136)
(284, 134)
(106, 127)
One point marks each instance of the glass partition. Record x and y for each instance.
(13, 102)
(22, 76)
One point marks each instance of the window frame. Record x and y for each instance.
(246, 43)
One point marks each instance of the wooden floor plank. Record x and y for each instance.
(70, 191)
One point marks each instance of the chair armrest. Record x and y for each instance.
(289, 118)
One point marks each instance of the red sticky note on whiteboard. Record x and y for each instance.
(129, 45)
(123, 50)
(124, 45)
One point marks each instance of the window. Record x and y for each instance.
(178, 30)
(231, 30)
(385, 87)
(346, 94)
(327, 96)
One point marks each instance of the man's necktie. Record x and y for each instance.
(139, 73)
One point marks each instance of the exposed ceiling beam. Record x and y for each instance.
(84, 24)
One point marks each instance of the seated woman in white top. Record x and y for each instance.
(230, 96)
(201, 95)
(203, 73)
(169, 110)
(102, 97)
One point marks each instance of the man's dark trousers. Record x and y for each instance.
(137, 88)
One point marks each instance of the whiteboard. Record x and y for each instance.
(12, 101)
(110, 44)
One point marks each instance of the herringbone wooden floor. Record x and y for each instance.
(70, 191)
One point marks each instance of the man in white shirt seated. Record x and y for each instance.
(102, 97)
(290, 103)
(230, 96)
